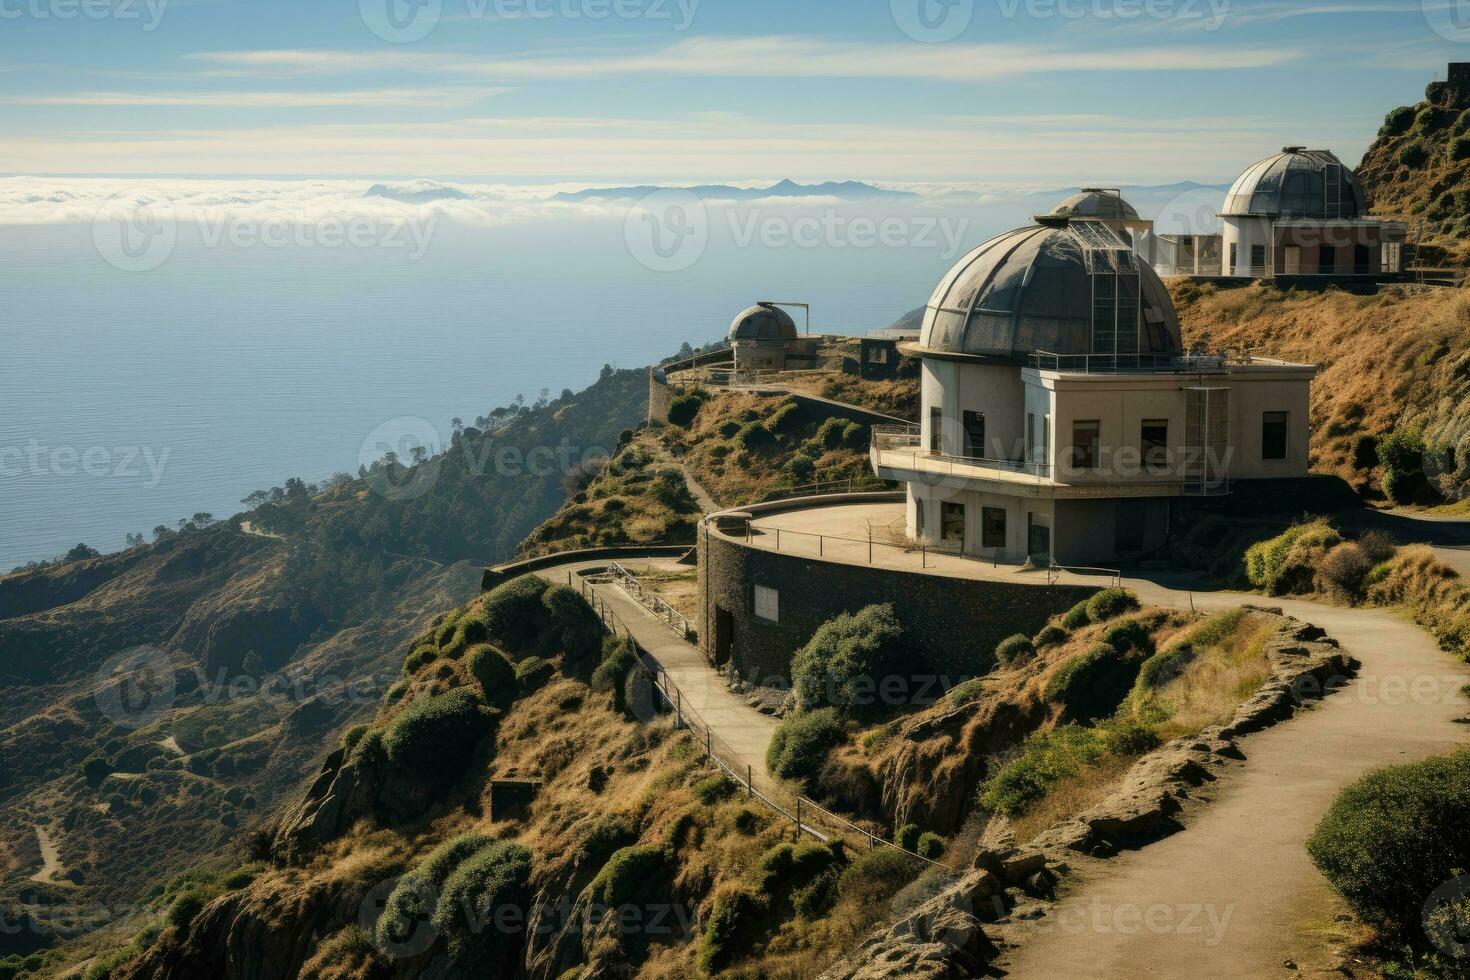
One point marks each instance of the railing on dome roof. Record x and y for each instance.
(1128, 363)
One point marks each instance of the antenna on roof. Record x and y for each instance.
(796, 306)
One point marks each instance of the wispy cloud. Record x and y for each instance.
(269, 100)
(791, 57)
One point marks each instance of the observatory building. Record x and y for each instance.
(1060, 412)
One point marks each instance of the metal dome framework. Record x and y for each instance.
(1297, 183)
(764, 323)
(1060, 287)
(1101, 203)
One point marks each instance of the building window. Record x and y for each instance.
(1391, 257)
(1155, 444)
(1327, 259)
(992, 527)
(952, 521)
(1362, 260)
(918, 518)
(1086, 444)
(936, 430)
(975, 434)
(877, 355)
(1234, 252)
(1292, 255)
(1030, 436)
(1273, 435)
(767, 604)
(1258, 260)
(1045, 440)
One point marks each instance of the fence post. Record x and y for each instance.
(709, 744)
(923, 556)
(778, 539)
(798, 818)
(678, 708)
(749, 783)
(821, 546)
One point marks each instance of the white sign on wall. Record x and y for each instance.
(767, 604)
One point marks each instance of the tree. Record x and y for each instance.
(81, 553)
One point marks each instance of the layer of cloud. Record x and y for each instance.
(381, 98)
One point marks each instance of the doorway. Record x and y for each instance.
(724, 635)
(1038, 539)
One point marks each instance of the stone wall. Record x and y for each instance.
(660, 397)
(955, 623)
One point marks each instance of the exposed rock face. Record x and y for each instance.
(944, 938)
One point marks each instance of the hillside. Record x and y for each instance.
(1419, 168)
(158, 703)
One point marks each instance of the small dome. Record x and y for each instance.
(1101, 203)
(1297, 183)
(763, 323)
(1030, 290)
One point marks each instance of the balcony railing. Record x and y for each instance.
(909, 439)
(1128, 363)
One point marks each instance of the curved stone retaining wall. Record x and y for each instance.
(956, 623)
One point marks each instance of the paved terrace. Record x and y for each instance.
(873, 534)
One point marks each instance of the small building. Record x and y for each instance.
(765, 340)
(1060, 412)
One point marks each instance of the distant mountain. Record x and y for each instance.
(418, 192)
(851, 190)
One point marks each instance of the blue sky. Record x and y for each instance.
(1024, 91)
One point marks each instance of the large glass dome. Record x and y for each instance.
(1063, 287)
(763, 323)
(1297, 183)
(1096, 202)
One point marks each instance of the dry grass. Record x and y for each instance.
(898, 397)
(1071, 796)
(678, 589)
(1219, 679)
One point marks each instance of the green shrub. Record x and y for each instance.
(801, 468)
(784, 418)
(685, 409)
(415, 896)
(1109, 603)
(841, 665)
(1397, 122)
(495, 878)
(495, 675)
(1076, 617)
(514, 615)
(1128, 738)
(712, 789)
(1401, 455)
(753, 435)
(353, 735)
(1127, 635)
(1460, 148)
(395, 693)
(532, 673)
(574, 629)
(1093, 684)
(1396, 835)
(965, 693)
(907, 836)
(1159, 670)
(1049, 757)
(930, 845)
(612, 672)
(1015, 649)
(1050, 636)
(630, 873)
(829, 433)
(728, 429)
(875, 877)
(738, 912)
(432, 737)
(186, 906)
(1287, 563)
(1413, 155)
(417, 660)
(855, 436)
(801, 743)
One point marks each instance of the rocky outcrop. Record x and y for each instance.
(945, 937)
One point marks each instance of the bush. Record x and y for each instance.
(1076, 617)
(494, 673)
(1015, 649)
(1401, 455)
(784, 418)
(493, 879)
(738, 911)
(630, 873)
(1344, 570)
(532, 673)
(907, 836)
(1050, 636)
(1460, 148)
(611, 674)
(1413, 155)
(855, 436)
(1093, 684)
(801, 468)
(413, 900)
(685, 409)
(875, 877)
(514, 615)
(1109, 603)
(574, 629)
(753, 435)
(1049, 757)
(842, 663)
(712, 789)
(962, 694)
(930, 845)
(1287, 563)
(352, 736)
(417, 660)
(1129, 635)
(432, 737)
(1397, 122)
(801, 743)
(1396, 835)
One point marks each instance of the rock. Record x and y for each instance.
(1018, 868)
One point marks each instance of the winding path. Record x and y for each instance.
(1235, 894)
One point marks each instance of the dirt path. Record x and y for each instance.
(50, 859)
(744, 731)
(1236, 894)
